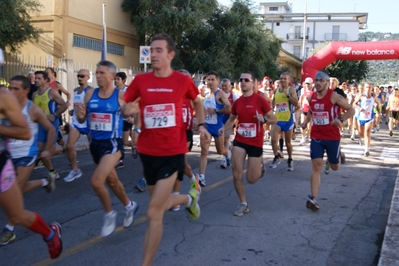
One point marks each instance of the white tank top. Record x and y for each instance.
(26, 148)
(78, 98)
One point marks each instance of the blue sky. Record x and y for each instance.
(382, 14)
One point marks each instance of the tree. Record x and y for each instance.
(209, 36)
(15, 23)
(348, 70)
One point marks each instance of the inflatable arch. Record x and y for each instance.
(349, 51)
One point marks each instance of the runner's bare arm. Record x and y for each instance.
(271, 119)
(223, 99)
(129, 109)
(200, 115)
(80, 109)
(60, 88)
(62, 105)
(293, 97)
(10, 109)
(308, 118)
(228, 125)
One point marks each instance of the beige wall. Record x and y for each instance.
(91, 11)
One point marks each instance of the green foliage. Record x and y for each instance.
(348, 70)
(15, 23)
(209, 36)
(381, 71)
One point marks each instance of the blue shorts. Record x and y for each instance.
(42, 133)
(286, 126)
(213, 130)
(363, 122)
(99, 148)
(82, 130)
(24, 161)
(331, 147)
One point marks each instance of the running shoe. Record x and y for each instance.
(312, 204)
(71, 164)
(39, 164)
(55, 244)
(228, 158)
(54, 174)
(109, 224)
(119, 165)
(280, 154)
(378, 128)
(241, 209)
(290, 167)
(141, 185)
(73, 175)
(390, 133)
(193, 210)
(327, 168)
(50, 187)
(343, 158)
(366, 153)
(7, 236)
(175, 208)
(201, 180)
(135, 154)
(302, 142)
(352, 137)
(276, 161)
(129, 215)
(262, 170)
(195, 184)
(373, 130)
(360, 142)
(223, 163)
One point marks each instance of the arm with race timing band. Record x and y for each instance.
(200, 116)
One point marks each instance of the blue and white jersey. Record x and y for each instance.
(367, 104)
(79, 98)
(105, 117)
(26, 148)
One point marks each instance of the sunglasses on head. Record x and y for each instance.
(245, 80)
(81, 76)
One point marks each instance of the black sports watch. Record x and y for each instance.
(341, 119)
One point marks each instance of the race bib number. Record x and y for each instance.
(160, 116)
(185, 112)
(211, 119)
(282, 107)
(321, 118)
(101, 122)
(247, 130)
(365, 116)
(16, 142)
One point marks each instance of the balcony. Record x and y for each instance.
(296, 37)
(335, 36)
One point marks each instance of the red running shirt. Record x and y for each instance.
(323, 113)
(163, 132)
(250, 129)
(304, 101)
(188, 114)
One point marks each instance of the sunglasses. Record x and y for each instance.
(245, 80)
(81, 76)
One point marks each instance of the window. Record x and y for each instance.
(298, 32)
(273, 8)
(95, 45)
(335, 33)
(297, 51)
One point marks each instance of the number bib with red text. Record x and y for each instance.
(101, 122)
(321, 118)
(247, 130)
(160, 116)
(365, 116)
(282, 107)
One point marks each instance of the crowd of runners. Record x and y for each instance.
(155, 115)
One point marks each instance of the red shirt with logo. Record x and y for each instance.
(188, 114)
(250, 129)
(323, 113)
(304, 100)
(163, 132)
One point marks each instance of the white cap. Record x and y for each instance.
(308, 80)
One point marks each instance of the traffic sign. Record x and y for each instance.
(145, 54)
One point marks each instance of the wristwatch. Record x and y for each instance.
(138, 130)
(341, 119)
(216, 110)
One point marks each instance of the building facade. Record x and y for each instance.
(320, 28)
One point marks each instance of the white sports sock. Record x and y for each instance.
(44, 182)
(190, 200)
(129, 205)
(193, 178)
(244, 203)
(9, 227)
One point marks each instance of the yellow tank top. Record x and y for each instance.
(44, 102)
(282, 106)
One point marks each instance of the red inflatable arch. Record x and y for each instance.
(349, 51)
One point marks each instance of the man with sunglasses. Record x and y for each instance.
(252, 111)
(284, 98)
(326, 120)
(77, 129)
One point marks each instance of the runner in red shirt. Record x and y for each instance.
(304, 103)
(325, 134)
(162, 142)
(252, 111)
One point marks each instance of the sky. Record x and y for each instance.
(382, 14)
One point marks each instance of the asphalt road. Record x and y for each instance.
(278, 230)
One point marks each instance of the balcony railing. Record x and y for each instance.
(335, 36)
(296, 36)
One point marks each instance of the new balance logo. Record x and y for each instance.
(344, 50)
